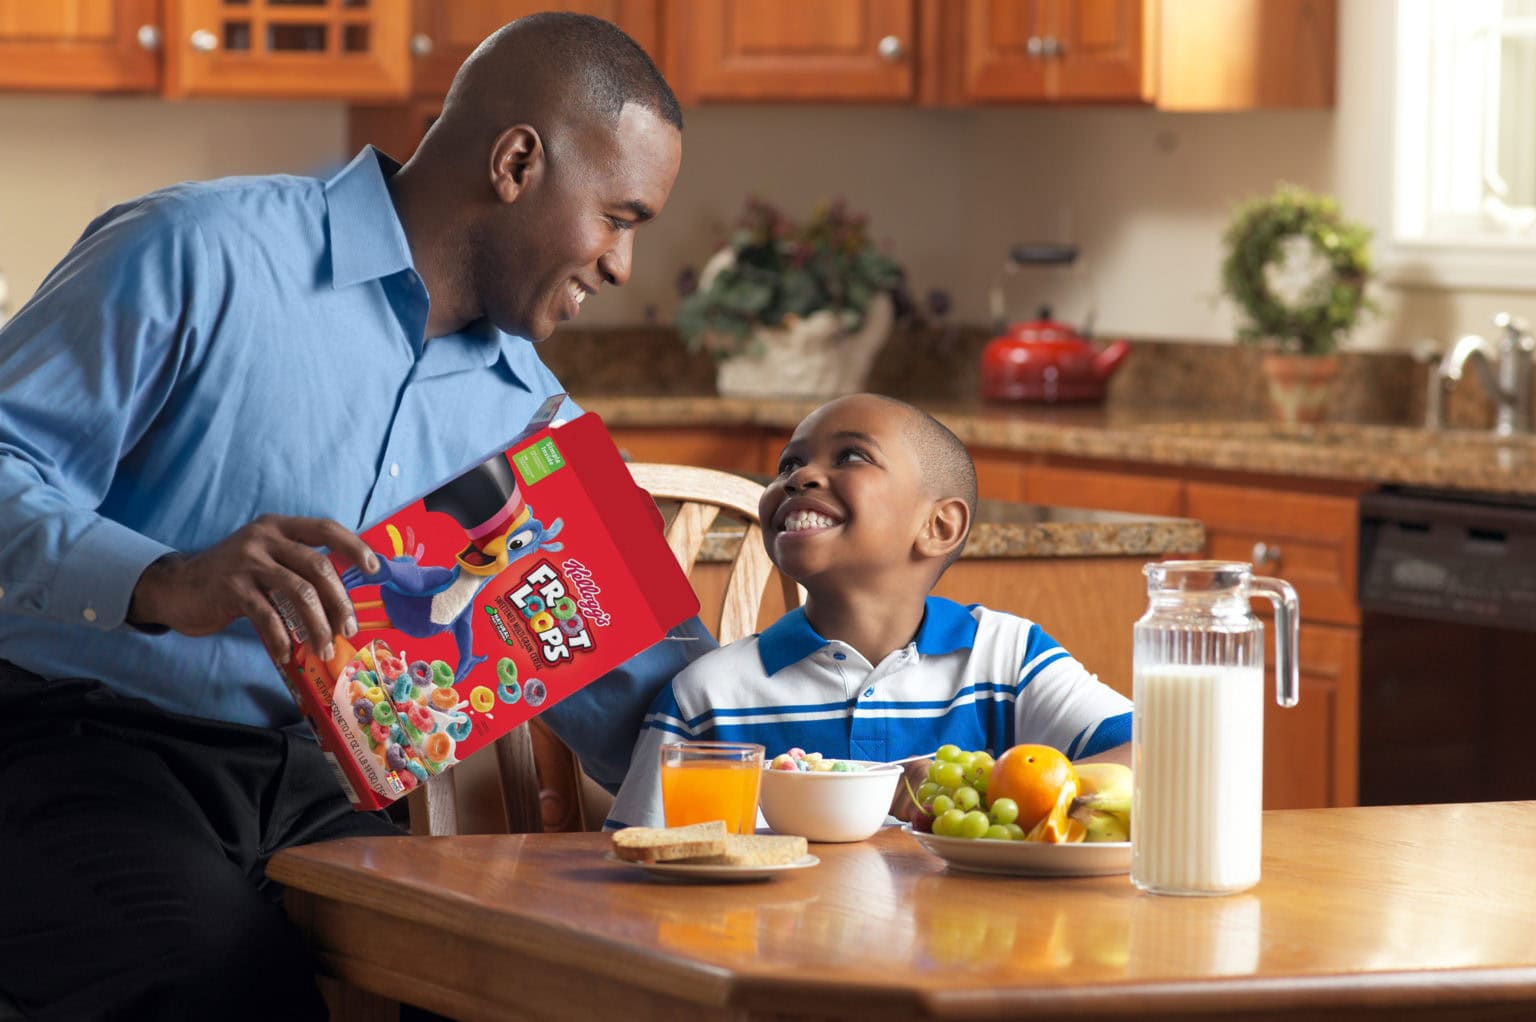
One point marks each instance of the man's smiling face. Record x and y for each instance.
(572, 228)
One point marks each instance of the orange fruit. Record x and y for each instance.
(1036, 777)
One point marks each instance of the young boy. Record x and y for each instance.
(872, 502)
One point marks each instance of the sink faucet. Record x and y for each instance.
(1505, 367)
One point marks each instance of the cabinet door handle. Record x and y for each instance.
(890, 49)
(1050, 46)
(1035, 46)
(1266, 553)
(421, 44)
(204, 41)
(148, 37)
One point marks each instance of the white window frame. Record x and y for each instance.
(1446, 230)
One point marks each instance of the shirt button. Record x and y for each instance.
(394, 469)
(869, 691)
(839, 656)
(88, 614)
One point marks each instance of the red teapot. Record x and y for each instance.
(1042, 359)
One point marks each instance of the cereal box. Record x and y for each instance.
(498, 594)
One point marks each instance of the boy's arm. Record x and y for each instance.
(1061, 704)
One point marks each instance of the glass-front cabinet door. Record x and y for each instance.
(311, 49)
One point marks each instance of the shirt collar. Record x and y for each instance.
(946, 627)
(367, 241)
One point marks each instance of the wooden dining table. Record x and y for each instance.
(1387, 912)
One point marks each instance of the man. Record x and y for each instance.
(218, 380)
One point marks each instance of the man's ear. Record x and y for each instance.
(517, 161)
(948, 522)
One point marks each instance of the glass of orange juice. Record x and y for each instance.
(703, 781)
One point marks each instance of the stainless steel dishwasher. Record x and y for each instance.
(1447, 647)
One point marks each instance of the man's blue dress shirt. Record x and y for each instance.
(216, 351)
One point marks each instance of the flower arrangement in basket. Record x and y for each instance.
(793, 309)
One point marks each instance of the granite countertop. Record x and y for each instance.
(1004, 530)
(1465, 460)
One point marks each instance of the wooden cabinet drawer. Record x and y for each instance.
(1310, 540)
(1311, 751)
(1105, 491)
(999, 476)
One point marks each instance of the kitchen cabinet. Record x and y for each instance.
(1104, 490)
(443, 34)
(1311, 750)
(791, 50)
(1070, 50)
(80, 45)
(1173, 54)
(310, 49)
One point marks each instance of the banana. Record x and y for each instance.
(1103, 803)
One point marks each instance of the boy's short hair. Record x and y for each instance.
(947, 467)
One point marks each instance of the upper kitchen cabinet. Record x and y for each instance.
(1174, 54)
(444, 33)
(852, 50)
(310, 49)
(80, 45)
(1070, 50)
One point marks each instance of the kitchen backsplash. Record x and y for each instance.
(941, 367)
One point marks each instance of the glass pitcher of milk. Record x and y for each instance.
(1197, 733)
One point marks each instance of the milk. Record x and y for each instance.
(1198, 747)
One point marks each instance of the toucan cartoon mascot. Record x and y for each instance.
(421, 600)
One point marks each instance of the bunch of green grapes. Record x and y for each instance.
(953, 801)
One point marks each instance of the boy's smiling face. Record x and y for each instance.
(849, 498)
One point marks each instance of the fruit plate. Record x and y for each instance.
(700, 873)
(1028, 858)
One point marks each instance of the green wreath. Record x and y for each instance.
(1331, 304)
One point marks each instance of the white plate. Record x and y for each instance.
(1028, 858)
(701, 873)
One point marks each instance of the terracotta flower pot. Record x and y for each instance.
(1300, 386)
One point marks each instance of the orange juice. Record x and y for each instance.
(696, 791)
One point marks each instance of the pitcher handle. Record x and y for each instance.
(1287, 636)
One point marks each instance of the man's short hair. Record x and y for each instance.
(600, 68)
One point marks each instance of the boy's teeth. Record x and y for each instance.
(807, 520)
(578, 293)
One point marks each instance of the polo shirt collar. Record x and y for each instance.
(946, 628)
(366, 239)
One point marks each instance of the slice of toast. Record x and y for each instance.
(758, 850)
(669, 844)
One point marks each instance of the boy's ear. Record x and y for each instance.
(517, 160)
(949, 520)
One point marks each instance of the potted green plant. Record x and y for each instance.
(793, 310)
(1298, 272)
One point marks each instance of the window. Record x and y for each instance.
(1464, 209)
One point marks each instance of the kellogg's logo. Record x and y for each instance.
(558, 621)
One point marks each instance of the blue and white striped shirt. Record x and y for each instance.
(973, 676)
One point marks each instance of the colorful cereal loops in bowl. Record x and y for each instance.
(830, 804)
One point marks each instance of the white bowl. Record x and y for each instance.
(827, 805)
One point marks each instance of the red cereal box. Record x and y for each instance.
(498, 594)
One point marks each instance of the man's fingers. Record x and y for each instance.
(337, 537)
(268, 623)
(306, 601)
(325, 585)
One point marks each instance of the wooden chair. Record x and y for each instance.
(532, 780)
